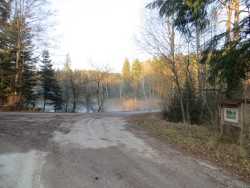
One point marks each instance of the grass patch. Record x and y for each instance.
(201, 141)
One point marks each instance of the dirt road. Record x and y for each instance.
(94, 151)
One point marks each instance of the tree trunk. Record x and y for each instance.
(74, 98)
(99, 97)
(181, 100)
(74, 106)
(107, 90)
(201, 69)
(19, 64)
(228, 23)
(174, 70)
(243, 114)
(189, 82)
(66, 107)
(44, 105)
(236, 5)
(18, 48)
(143, 88)
(120, 91)
(242, 123)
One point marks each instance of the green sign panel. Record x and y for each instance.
(231, 115)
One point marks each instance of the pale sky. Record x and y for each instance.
(99, 32)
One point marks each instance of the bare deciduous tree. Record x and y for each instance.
(159, 39)
(100, 77)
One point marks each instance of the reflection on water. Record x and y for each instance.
(116, 105)
(131, 104)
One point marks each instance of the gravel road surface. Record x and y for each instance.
(95, 151)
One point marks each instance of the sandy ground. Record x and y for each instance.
(95, 151)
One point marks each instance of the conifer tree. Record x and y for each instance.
(126, 70)
(50, 90)
(57, 100)
(28, 82)
(136, 74)
(126, 76)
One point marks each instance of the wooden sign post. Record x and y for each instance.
(236, 114)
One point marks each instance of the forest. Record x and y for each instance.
(200, 58)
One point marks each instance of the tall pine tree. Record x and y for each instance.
(50, 90)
